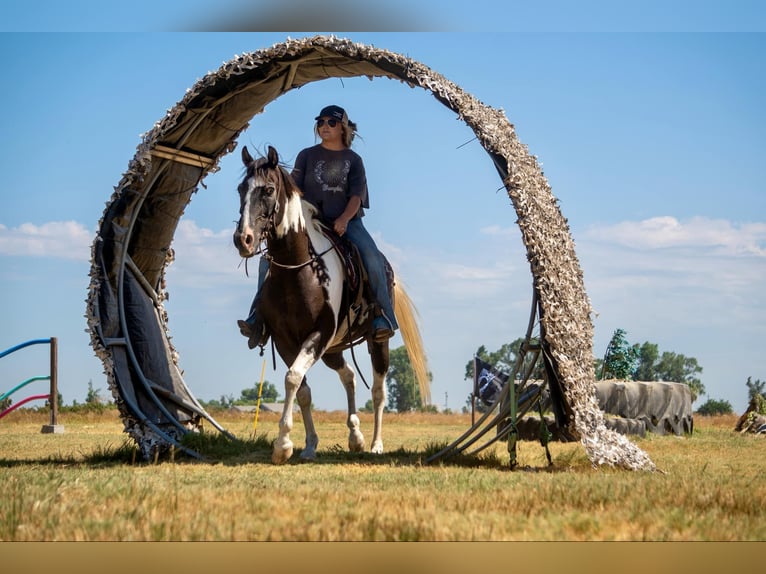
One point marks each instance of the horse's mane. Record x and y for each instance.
(262, 162)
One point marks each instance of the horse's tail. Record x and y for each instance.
(408, 327)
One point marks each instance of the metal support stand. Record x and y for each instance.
(513, 402)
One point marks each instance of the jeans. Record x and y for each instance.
(375, 264)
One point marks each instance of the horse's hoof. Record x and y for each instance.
(377, 448)
(282, 455)
(307, 454)
(356, 442)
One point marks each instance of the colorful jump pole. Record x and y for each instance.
(53, 427)
(258, 402)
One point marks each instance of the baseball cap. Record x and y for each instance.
(335, 112)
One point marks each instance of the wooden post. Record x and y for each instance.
(54, 427)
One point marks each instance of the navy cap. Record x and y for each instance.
(335, 112)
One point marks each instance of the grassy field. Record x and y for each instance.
(85, 485)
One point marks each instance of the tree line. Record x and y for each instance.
(622, 360)
(625, 361)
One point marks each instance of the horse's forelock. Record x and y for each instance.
(262, 165)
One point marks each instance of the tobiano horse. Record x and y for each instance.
(309, 306)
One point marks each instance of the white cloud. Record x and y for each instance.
(59, 239)
(204, 257)
(695, 283)
(499, 231)
(699, 233)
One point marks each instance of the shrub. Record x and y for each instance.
(715, 407)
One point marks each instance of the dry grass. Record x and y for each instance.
(84, 485)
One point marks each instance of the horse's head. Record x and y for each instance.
(262, 197)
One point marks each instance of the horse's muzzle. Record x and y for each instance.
(245, 243)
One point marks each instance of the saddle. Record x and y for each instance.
(356, 274)
(359, 292)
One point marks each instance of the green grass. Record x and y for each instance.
(86, 484)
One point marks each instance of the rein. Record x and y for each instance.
(299, 265)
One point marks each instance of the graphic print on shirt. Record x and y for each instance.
(332, 175)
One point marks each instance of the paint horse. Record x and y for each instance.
(308, 306)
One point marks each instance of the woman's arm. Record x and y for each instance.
(352, 208)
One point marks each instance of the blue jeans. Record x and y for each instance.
(374, 263)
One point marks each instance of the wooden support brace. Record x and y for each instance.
(181, 156)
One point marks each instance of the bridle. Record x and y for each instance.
(268, 231)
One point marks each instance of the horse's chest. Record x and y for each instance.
(303, 299)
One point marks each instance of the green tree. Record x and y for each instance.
(648, 355)
(401, 384)
(222, 403)
(680, 369)
(269, 394)
(755, 388)
(715, 407)
(620, 359)
(94, 395)
(671, 367)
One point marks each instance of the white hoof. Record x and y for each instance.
(282, 453)
(356, 441)
(377, 447)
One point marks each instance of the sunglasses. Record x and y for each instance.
(331, 122)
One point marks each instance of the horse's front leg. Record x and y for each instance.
(379, 355)
(348, 380)
(283, 446)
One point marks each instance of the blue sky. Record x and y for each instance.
(652, 142)
(388, 15)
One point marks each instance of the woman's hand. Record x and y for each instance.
(340, 225)
(352, 208)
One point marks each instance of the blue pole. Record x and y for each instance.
(22, 345)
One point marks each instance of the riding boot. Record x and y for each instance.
(254, 328)
(382, 329)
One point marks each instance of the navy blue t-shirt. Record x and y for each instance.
(329, 178)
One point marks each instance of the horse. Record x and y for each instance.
(308, 306)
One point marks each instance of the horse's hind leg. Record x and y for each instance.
(379, 355)
(304, 402)
(337, 363)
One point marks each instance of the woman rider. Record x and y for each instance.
(332, 177)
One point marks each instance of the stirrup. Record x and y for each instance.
(253, 339)
(381, 329)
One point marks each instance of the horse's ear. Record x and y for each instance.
(247, 159)
(273, 157)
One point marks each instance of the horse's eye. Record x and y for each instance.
(269, 190)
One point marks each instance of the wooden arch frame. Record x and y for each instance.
(125, 314)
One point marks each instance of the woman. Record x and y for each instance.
(332, 177)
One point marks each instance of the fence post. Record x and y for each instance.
(54, 427)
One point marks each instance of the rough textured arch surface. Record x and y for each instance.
(125, 310)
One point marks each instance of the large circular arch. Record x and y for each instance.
(125, 313)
